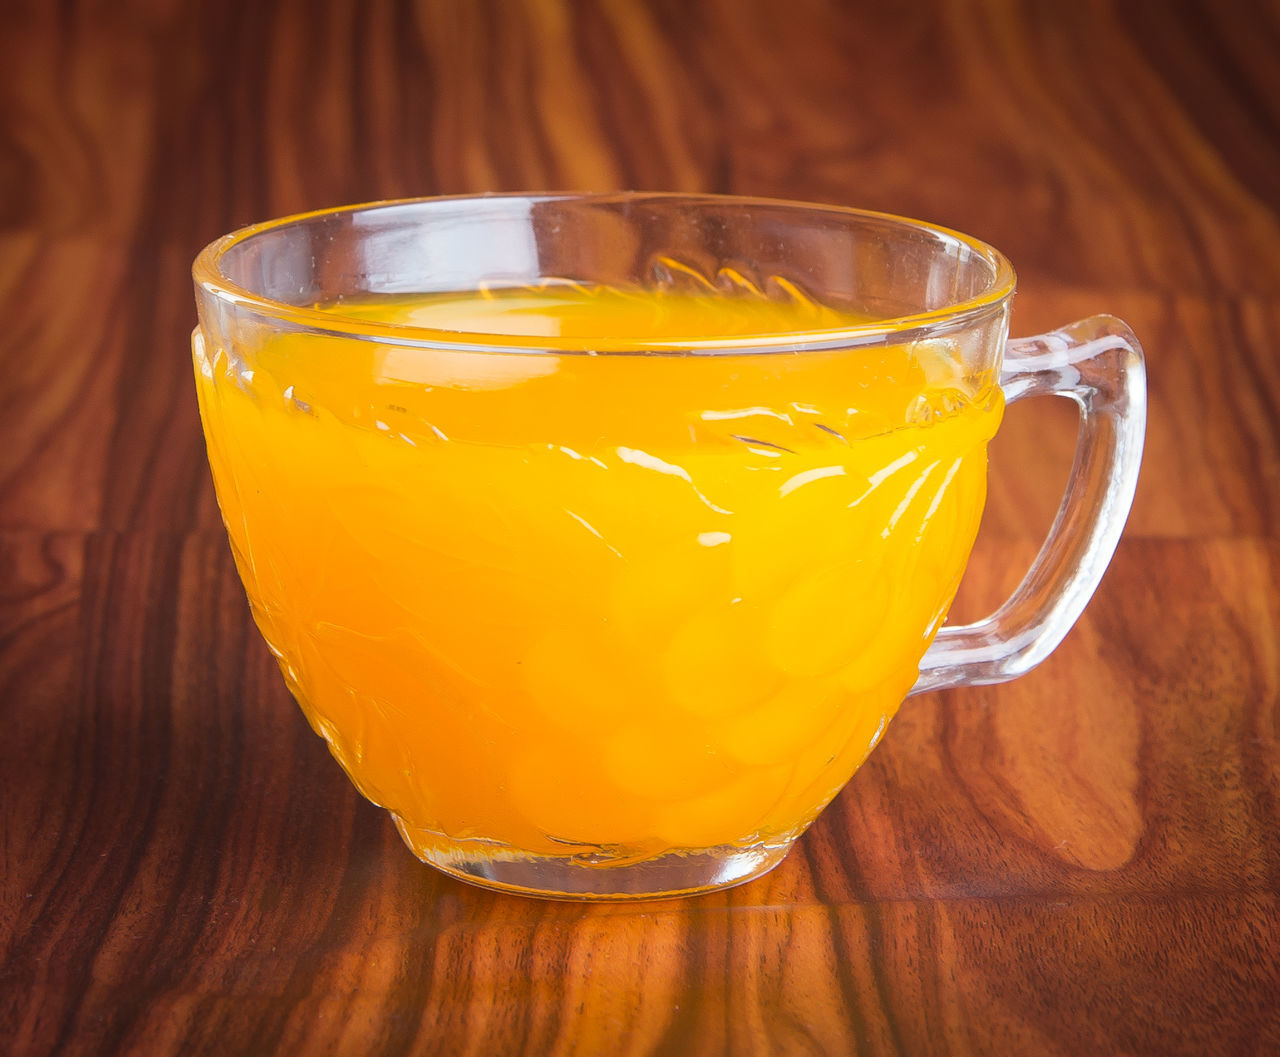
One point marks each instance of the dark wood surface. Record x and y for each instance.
(1084, 861)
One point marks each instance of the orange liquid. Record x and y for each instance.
(557, 603)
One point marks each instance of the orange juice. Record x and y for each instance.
(556, 603)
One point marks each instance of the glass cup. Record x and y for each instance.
(601, 535)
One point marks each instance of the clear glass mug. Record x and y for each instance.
(602, 535)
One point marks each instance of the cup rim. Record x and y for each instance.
(210, 278)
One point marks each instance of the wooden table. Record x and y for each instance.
(1086, 861)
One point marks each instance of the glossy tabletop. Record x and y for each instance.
(1084, 861)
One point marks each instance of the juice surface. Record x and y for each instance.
(561, 602)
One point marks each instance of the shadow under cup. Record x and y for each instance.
(602, 535)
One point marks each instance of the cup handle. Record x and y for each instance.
(1098, 363)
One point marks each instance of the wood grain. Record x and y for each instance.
(1083, 861)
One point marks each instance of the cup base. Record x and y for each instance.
(596, 876)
